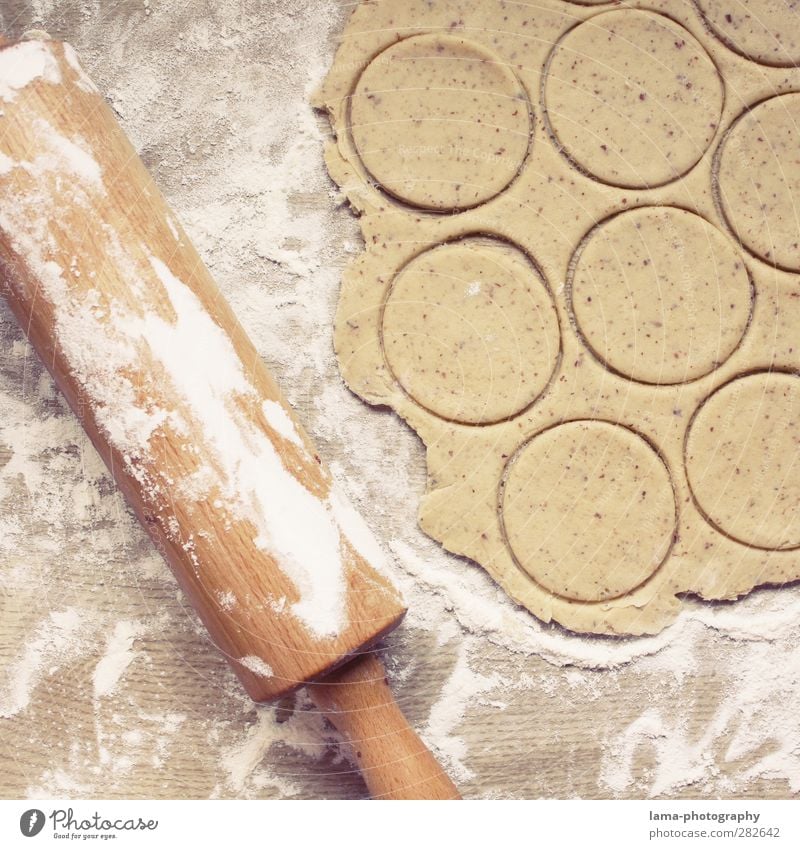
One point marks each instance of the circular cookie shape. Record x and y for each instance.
(632, 98)
(767, 32)
(743, 460)
(759, 180)
(589, 510)
(440, 122)
(659, 295)
(470, 331)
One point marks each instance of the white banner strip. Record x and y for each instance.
(456, 825)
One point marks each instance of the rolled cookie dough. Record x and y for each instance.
(470, 331)
(580, 287)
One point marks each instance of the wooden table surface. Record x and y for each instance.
(175, 724)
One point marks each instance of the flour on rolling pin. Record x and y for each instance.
(21, 65)
(118, 304)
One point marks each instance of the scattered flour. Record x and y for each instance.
(246, 763)
(459, 692)
(117, 658)
(227, 600)
(257, 665)
(754, 725)
(58, 639)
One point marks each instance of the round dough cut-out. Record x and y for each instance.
(470, 331)
(440, 122)
(589, 510)
(660, 295)
(767, 31)
(743, 460)
(759, 180)
(633, 98)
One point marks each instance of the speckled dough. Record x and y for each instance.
(588, 510)
(632, 97)
(470, 332)
(759, 180)
(580, 287)
(438, 123)
(762, 31)
(743, 459)
(660, 295)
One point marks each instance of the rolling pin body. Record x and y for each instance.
(172, 393)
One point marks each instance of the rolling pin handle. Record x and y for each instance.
(393, 760)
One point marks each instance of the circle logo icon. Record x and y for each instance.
(31, 822)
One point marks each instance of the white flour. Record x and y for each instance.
(117, 658)
(23, 63)
(215, 102)
(257, 665)
(58, 639)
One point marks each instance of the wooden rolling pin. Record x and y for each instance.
(172, 393)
